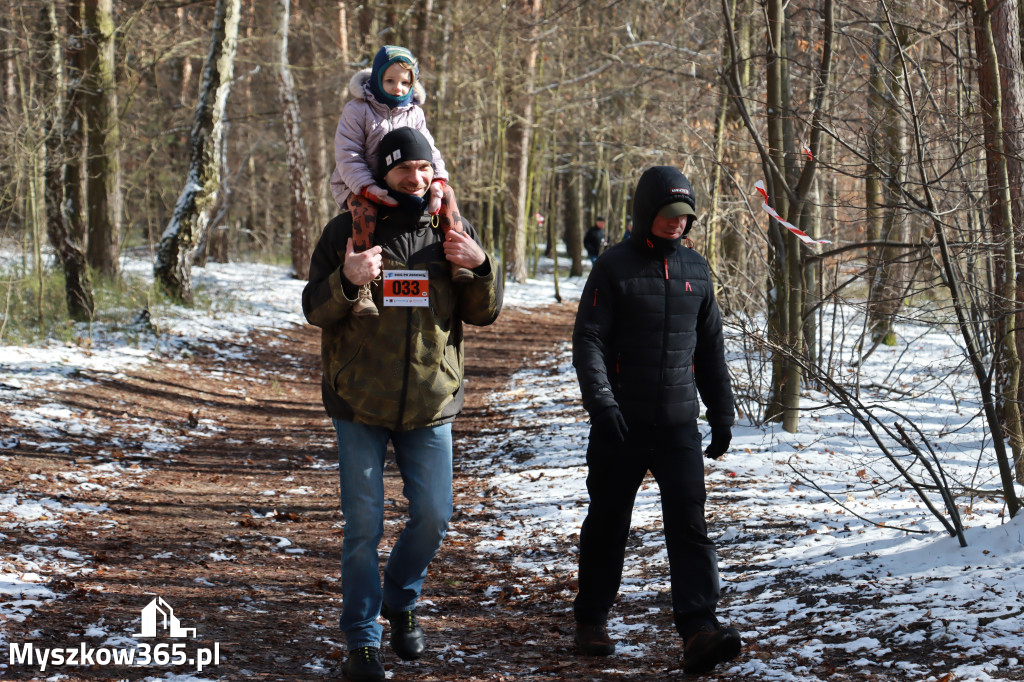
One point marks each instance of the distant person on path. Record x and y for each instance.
(594, 240)
(396, 377)
(648, 339)
(385, 97)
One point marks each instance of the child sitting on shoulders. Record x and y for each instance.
(385, 97)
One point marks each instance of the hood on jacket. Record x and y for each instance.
(359, 85)
(658, 186)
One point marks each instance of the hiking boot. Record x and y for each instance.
(708, 647)
(593, 640)
(461, 275)
(407, 638)
(363, 665)
(364, 305)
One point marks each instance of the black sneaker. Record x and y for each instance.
(363, 665)
(407, 638)
(593, 640)
(708, 647)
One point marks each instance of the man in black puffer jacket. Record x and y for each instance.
(647, 344)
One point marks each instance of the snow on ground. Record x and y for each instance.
(242, 298)
(774, 529)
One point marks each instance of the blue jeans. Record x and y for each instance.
(424, 459)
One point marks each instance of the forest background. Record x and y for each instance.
(892, 130)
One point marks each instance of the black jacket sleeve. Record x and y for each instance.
(711, 374)
(594, 319)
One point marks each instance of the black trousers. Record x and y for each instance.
(616, 471)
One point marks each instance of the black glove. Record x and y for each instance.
(721, 436)
(609, 423)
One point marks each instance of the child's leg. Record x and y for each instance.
(364, 221)
(449, 217)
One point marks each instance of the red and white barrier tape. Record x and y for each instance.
(803, 236)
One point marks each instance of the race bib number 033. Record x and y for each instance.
(406, 288)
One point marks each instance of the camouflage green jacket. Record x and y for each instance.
(403, 369)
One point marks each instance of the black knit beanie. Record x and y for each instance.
(403, 144)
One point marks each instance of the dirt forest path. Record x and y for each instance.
(240, 531)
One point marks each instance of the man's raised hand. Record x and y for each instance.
(461, 249)
(361, 267)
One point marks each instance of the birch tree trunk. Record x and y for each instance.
(103, 158)
(61, 177)
(193, 209)
(298, 169)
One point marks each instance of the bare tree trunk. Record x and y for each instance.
(778, 286)
(186, 62)
(323, 125)
(812, 217)
(192, 212)
(424, 25)
(31, 164)
(1006, 36)
(298, 170)
(63, 140)
(343, 32)
(888, 283)
(440, 68)
(366, 34)
(713, 226)
(257, 185)
(988, 15)
(574, 215)
(713, 221)
(494, 199)
(878, 110)
(7, 42)
(520, 130)
(103, 164)
(733, 245)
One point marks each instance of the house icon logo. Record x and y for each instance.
(159, 614)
